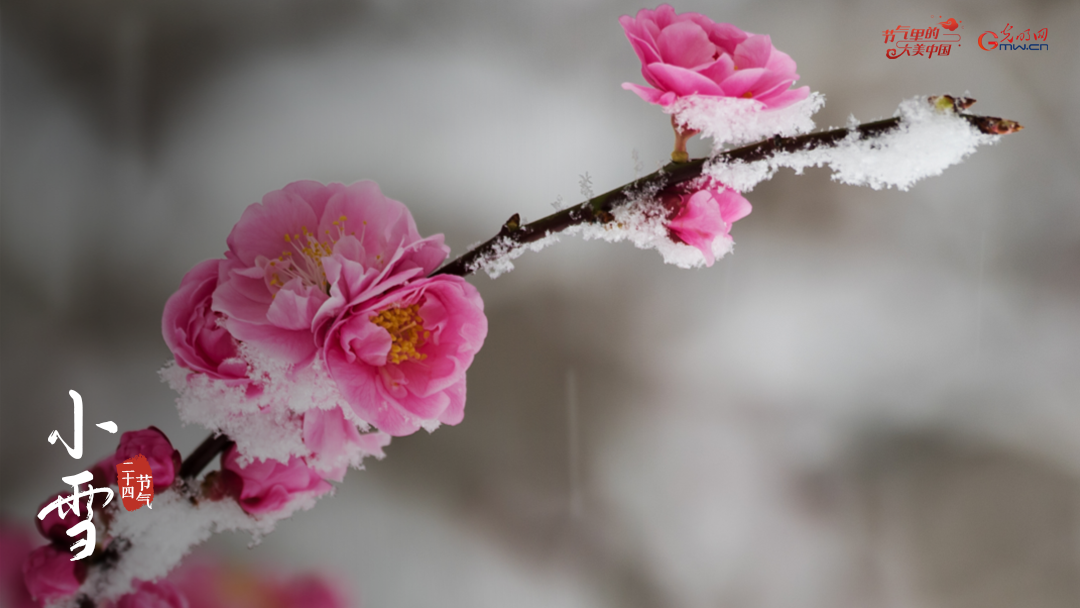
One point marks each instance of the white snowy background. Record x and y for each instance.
(874, 402)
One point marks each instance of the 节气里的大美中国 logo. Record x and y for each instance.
(922, 41)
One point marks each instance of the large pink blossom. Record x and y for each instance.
(700, 218)
(307, 252)
(688, 54)
(50, 574)
(325, 299)
(150, 442)
(193, 331)
(270, 485)
(400, 360)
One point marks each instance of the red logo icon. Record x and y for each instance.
(950, 25)
(1027, 40)
(136, 483)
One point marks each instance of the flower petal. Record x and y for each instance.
(682, 81)
(743, 81)
(646, 50)
(685, 44)
(733, 206)
(294, 306)
(753, 52)
(291, 346)
(785, 99)
(263, 226)
(649, 95)
(782, 63)
(365, 341)
(720, 70)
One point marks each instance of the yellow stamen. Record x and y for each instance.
(406, 329)
(308, 265)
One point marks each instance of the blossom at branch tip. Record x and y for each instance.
(689, 54)
(270, 485)
(400, 360)
(702, 218)
(50, 574)
(164, 460)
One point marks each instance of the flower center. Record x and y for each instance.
(406, 330)
(305, 259)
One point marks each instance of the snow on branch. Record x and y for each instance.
(925, 137)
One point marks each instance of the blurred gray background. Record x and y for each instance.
(875, 402)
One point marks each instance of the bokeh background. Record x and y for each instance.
(875, 402)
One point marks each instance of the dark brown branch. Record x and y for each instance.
(598, 209)
(203, 455)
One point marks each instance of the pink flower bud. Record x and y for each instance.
(270, 485)
(150, 442)
(688, 54)
(54, 527)
(702, 217)
(50, 574)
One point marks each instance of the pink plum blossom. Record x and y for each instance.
(151, 443)
(193, 331)
(270, 485)
(699, 218)
(688, 54)
(400, 359)
(307, 252)
(50, 574)
(326, 305)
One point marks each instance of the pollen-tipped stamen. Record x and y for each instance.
(406, 329)
(308, 265)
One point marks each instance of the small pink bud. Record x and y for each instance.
(151, 443)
